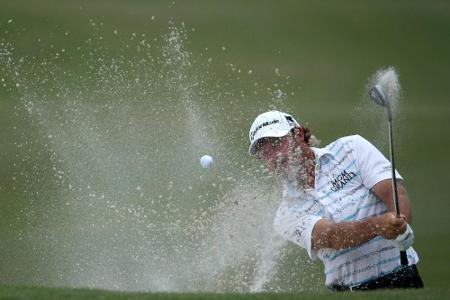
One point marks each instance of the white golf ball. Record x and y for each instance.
(206, 161)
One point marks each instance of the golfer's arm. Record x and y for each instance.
(383, 190)
(343, 235)
(351, 234)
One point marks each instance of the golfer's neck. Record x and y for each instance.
(309, 163)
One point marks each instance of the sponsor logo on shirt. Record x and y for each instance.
(341, 180)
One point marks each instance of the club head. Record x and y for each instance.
(377, 95)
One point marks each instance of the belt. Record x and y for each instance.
(407, 277)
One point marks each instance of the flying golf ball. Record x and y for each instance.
(206, 161)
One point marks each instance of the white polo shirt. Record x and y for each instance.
(345, 172)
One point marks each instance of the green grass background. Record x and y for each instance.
(61, 293)
(327, 48)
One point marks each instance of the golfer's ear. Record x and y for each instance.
(299, 133)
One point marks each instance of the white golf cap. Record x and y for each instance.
(270, 124)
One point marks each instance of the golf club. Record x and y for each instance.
(377, 95)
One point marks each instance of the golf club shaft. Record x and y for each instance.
(403, 256)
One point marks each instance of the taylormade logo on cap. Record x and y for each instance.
(252, 134)
(270, 124)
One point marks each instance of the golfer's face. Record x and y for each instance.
(274, 151)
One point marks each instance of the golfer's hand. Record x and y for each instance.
(389, 225)
(405, 240)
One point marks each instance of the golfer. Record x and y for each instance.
(337, 204)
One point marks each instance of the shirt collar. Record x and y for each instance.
(320, 153)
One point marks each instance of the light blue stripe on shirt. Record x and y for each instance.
(388, 248)
(340, 149)
(382, 262)
(331, 147)
(352, 203)
(345, 251)
(353, 216)
(351, 164)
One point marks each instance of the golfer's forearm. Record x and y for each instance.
(343, 235)
(404, 203)
(383, 190)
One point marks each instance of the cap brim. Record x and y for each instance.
(279, 133)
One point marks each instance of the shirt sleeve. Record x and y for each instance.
(373, 165)
(297, 227)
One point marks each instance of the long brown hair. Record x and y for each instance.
(310, 139)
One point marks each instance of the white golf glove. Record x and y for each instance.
(405, 240)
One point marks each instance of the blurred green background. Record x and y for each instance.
(320, 54)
